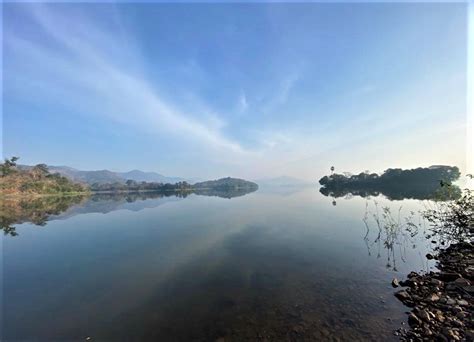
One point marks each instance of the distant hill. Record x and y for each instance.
(89, 177)
(106, 176)
(141, 176)
(282, 181)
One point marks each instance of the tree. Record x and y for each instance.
(40, 171)
(8, 166)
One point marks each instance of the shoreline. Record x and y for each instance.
(441, 302)
(92, 192)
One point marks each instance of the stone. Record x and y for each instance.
(413, 320)
(423, 314)
(395, 282)
(433, 297)
(447, 276)
(442, 338)
(451, 301)
(462, 282)
(429, 256)
(403, 295)
(469, 289)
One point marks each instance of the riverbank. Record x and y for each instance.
(442, 302)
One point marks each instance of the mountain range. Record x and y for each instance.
(107, 176)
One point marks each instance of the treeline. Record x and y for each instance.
(429, 175)
(35, 180)
(131, 185)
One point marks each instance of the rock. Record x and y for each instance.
(402, 295)
(429, 256)
(451, 301)
(441, 338)
(423, 314)
(413, 320)
(462, 282)
(440, 316)
(448, 276)
(448, 333)
(469, 289)
(436, 282)
(442, 300)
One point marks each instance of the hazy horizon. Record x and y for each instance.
(243, 90)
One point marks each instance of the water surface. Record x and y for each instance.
(276, 264)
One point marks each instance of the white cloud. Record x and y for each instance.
(243, 104)
(89, 60)
(281, 94)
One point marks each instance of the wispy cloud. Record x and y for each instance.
(242, 104)
(89, 59)
(281, 93)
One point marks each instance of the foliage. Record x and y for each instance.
(419, 183)
(131, 185)
(227, 183)
(34, 181)
(17, 210)
(8, 166)
(223, 184)
(452, 221)
(392, 233)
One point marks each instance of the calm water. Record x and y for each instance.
(276, 264)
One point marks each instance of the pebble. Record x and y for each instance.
(443, 302)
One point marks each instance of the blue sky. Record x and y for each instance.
(247, 90)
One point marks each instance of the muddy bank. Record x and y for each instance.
(441, 302)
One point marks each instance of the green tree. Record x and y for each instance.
(8, 166)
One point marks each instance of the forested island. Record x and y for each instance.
(419, 183)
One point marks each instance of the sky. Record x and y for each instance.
(245, 90)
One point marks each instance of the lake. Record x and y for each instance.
(275, 264)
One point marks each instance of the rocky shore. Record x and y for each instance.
(441, 302)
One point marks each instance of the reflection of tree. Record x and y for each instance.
(391, 232)
(136, 195)
(33, 210)
(225, 193)
(40, 209)
(392, 191)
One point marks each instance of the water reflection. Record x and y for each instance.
(33, 210)
(40, 210)
(392, 230)
(399, 191)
